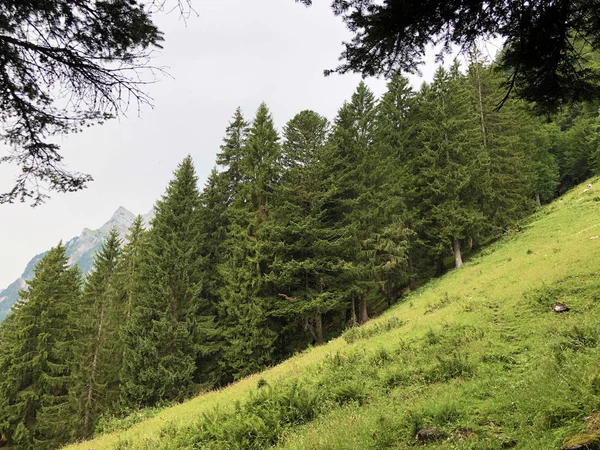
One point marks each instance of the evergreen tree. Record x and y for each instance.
(507, 142)
(36, 357)
(244, 311)
(364, 214)
(394, 132)
(213, 224)
(171, 324)
(232, 151)
(447, 166)
(306, 264)
(128, 284)
(98, 346)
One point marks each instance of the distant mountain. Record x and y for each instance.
(81, 251)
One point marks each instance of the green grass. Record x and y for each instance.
(479, 349)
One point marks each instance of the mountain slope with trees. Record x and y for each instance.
(478, 354)
(298, 237)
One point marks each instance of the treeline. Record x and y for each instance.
(293, 239)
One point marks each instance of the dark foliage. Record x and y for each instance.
(542, 60)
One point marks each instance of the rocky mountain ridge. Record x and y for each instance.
(80, 249)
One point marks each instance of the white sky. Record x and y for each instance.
(236, 53)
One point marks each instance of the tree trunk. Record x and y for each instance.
(411, 272)
(318, 328)
(353, 313)
(457, 255)
(90, 393)
(537, 199)
(483, 131)
(364, 315)
(440, 269)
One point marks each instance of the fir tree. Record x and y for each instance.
(306, 263)
(244, 312)
(98, 342)
(232, 151)
(446, 166)
(506, 142)
(170, 324)
(128, 285)
(364, 214)
(36, 357)
(394, 132)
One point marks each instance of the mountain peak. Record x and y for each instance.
(120, 212)
(81, 251)
(121, 220)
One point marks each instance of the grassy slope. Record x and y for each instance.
(480, 349)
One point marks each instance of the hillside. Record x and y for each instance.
(80, 249)
(479, 354)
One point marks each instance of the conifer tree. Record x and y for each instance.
(232, 151)
(306, 263)
(213, 225)
(360, 203)
(170, 324)
(218, 194)
(128, 285)
(506, 137)
(244, 312)
(36, 357)
(394, 132)
(446, 168)
(98, 346)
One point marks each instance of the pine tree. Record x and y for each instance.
(170, 325)
(244, 312)
(36, 357)
(98, 342)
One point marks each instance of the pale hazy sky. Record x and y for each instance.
(236, 53)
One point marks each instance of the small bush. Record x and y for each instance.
(431, 338)
(579, 338)
(381, 357)
(258, 423)
(395, 377)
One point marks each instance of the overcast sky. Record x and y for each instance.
(236, 53)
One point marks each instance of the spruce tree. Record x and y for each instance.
(306, 264)
(170, 323)
(506, 138)
(232, 151)
(37, 360)
(363, 212)
(394, 132)
(98, 346)
(445, 169)
(128, 284)
(244, 311)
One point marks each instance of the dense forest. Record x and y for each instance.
(294, 237)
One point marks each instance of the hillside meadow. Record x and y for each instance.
(477, 356)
